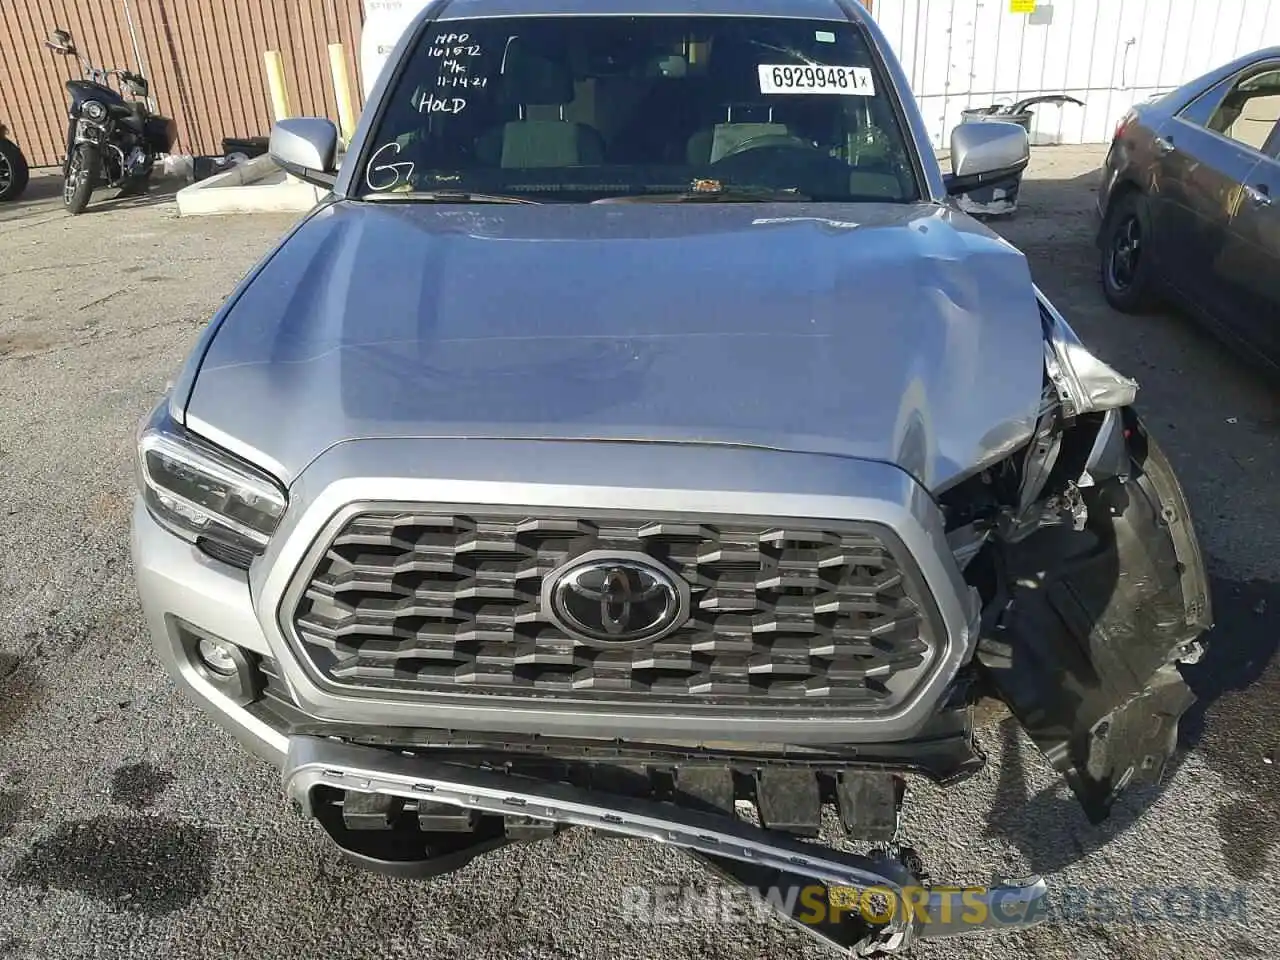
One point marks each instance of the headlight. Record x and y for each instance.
(1084, 383)
(93, 110)
(203, 493)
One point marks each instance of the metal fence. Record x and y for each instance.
(1108, 53)
(203, 59)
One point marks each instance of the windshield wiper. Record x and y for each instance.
(726, 194)
(443, 196)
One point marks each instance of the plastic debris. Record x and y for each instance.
(179, 165)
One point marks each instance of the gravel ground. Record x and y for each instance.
(129, 826)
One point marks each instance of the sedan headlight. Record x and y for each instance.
(93, 110)
(204, 494)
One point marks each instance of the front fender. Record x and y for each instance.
(71, 144)
(1091, 617)
(1094, 622)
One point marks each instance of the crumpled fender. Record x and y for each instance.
(1085, 648)
(1083, 642)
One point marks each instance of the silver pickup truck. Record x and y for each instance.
(638, 438)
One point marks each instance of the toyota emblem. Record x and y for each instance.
(608, 598)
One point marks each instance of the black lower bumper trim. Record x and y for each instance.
(401, 849)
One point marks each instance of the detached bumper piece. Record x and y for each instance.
(1086, 643)
(462, 811)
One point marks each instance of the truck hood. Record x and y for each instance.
(900, 333)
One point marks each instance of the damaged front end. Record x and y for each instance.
(1081, 551)
(1092, 581)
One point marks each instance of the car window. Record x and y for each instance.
(1246, 110)
(1202, 108)
(584, 108)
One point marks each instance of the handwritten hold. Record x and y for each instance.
(388, 175)
(430, 103)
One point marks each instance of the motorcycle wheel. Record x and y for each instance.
(82, 176)
(13, 170)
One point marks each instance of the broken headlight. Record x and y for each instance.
(204, 494)
(1083, 382)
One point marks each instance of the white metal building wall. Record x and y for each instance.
(1108, 53)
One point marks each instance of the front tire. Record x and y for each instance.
(82, 175)
(14, 172)
(1127, 280)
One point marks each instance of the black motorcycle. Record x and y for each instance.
(110, 140)
(13, 168)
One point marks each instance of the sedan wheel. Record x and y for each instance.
(1126, 250)
(1126, 255)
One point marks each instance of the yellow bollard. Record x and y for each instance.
(275, 82)
(342, 89)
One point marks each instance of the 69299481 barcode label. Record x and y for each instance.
(793, 78)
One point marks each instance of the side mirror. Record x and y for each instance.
(986, 150)
(307, 147)
(60, 41)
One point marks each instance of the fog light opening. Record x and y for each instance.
(217, 656)
(230, 668)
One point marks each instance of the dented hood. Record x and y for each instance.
(900, 333)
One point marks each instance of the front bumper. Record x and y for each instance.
(180, 585)
(917, 912)
(322, 748)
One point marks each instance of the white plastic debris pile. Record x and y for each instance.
(177, 165)
(255, 186)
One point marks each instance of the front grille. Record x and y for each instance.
(782, 612)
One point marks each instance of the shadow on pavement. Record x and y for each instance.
(1235, 725)
(43, 185)
(43, 198)
(159, 192)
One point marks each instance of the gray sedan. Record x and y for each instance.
(1189, 200)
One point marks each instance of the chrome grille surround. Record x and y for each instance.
(791, 618)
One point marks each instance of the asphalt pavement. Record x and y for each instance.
(131, 827)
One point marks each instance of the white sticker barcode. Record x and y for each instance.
(790, 78)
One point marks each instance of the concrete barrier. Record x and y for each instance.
(258, 186)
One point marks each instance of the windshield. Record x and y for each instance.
(577, 109)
